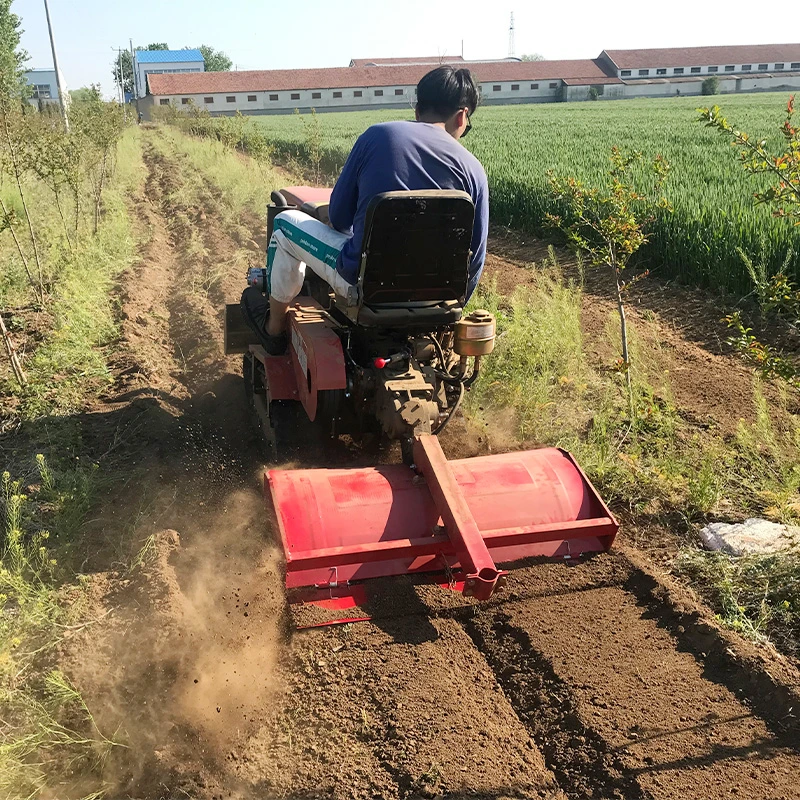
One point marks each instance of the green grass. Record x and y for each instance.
(711, 195)
(47, 731)
(48, 734)
(539, 387)
(757, 595)
(69, 361)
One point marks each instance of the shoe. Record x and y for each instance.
(276, 345)
(255, 310)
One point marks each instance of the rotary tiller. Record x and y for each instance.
(394, 357)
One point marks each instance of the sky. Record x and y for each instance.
(274, 34)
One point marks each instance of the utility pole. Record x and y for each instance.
(118, 76)
(511, 45)
(135, 81)
(63, 100)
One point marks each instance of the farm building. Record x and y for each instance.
(390, 83)
(161, 62)
(44, 87)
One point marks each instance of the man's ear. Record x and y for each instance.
(416, 113)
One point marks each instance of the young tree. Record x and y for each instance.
(86, 94)
(532, 57)
(216, 60)
(710, 85)
(776, 293)
(609, 224)
(12, 56)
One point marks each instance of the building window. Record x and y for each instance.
(273, 97)
(251, 98)
(729, 68)
(496, 87)
(379, 93)
(514, 87)
(185, 101)
(41, 91)
(643, 72)
(231, 98)
(677, 71)
(661, 72)
(795, 64)
(713, 69)
(779, 66)
(695, 70)
(398, 91)
(626, 73)
(763, 66)
(208, 100)
(747, 67)
(337, 95)
(534, 86)
(358, 93)
(295, 97)
(163, 102)
(554, 85)
(316, 95)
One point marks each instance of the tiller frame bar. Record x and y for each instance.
(482, 576)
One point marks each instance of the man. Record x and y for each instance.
(389, 156)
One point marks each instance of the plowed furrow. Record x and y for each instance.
(619, 705)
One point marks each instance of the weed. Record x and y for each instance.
(36, 742)
(757, 595)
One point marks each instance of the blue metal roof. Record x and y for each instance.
(166, 56)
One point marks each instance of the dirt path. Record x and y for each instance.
(593, 681)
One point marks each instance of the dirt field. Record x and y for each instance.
(601, 680)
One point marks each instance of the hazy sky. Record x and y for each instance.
(268, 34)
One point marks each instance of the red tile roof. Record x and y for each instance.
(380, 62)
(347, 77)
(700, 56)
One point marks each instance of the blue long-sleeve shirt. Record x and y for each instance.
(397, 156)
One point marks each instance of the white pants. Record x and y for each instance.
(299, 240)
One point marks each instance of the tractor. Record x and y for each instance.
(394, 357)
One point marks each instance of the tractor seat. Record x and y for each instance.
(414, 260)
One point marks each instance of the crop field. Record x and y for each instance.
(713, 212)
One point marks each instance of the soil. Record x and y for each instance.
(597, 680)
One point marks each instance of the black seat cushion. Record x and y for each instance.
(410, 316)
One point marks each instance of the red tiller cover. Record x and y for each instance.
(340, 525)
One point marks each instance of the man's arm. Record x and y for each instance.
(480, 233)
(344, 197)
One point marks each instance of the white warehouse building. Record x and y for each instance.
(391, 83)
(159, 62)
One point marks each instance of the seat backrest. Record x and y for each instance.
(416, 247)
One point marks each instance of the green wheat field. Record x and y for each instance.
(713, 210)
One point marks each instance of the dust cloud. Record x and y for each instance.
(183, 665)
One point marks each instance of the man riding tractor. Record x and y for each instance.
(389, 156)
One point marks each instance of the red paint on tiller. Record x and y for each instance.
(343, 525)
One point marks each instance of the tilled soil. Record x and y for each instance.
(596, 680)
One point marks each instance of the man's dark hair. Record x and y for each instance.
(445, 90)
